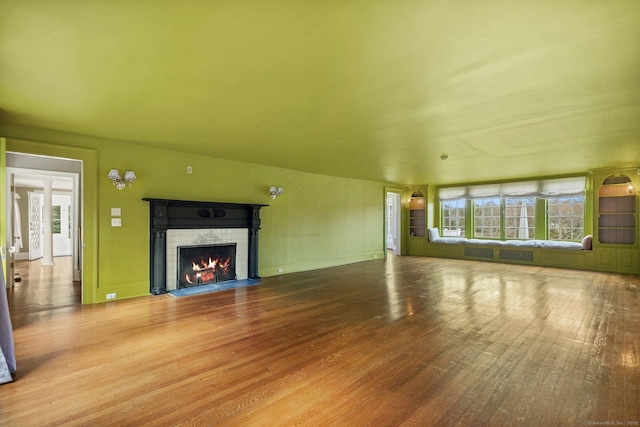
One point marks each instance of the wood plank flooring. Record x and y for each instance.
(404, 341)
(43, 288)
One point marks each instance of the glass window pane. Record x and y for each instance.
(519, 218)
(453, 213)
(566, 218)
(486, 220)
(513, 216)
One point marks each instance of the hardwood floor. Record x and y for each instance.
(403, 341)
(44, 288)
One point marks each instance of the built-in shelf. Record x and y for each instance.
(417, 215)
(617, 211)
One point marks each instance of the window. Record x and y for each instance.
(566, 218)
(508, 210)
(519, 218)
(486, 218)
(55, 219)
(453, 218)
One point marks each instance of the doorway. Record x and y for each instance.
(44, 223)
(392, 223)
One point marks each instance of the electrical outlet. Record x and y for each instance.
(281, 270)
(111, 296)
(115, 212)
(189, 169)
(116, 222)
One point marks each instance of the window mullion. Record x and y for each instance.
(503, 222)
(469, 219)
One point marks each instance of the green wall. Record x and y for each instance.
(320, 221)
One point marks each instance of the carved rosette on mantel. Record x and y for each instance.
(166, 214)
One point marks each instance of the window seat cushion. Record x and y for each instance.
(544, 244)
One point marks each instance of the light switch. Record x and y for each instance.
(115, 212)
(116, 222)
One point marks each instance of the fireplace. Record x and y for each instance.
(202, 265)
(185, 224)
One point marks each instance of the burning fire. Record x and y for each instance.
(206, 272)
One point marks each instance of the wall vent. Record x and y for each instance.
(511, 255)
(478, 252)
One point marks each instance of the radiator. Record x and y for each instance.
(478, 252)
(512, 255)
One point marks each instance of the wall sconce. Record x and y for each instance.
(119, 182)
(275, 192)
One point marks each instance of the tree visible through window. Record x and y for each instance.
(486, 219)
(453, 218)
(55, 216)
(512, 210)
(566, 218)
(519, 218)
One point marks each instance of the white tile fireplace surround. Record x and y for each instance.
(216, 236)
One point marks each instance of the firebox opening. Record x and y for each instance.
(205, 264)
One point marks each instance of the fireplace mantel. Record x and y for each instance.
(168, 214)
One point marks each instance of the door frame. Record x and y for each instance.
(397, 222)
(87, 192)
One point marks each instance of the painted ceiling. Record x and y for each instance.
(374, 90)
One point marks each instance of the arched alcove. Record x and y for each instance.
(617, 210)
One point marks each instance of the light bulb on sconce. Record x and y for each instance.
(275, 192)
(118, 181)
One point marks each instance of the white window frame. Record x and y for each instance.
(516, 225)
(484, 224)
(559, 225)
(453, 225)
